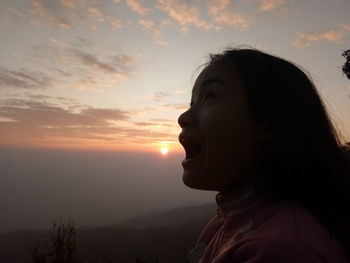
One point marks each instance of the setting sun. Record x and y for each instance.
(164, 150)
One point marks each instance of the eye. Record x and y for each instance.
(209, 96)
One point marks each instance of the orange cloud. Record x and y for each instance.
(90, 14)
(29, 121)
(3, 21)
(155, 124)
(268, 5)
(97, 12)
(137, 7)
(69, 3)
(223, 15)
(158, 96)
(155, 30)
(178, 106)
(42, 11)
(183, 14)
(63, 14)
(58, 42)
(239, 21)
(40, 114)
(304, 40)
(217, 6)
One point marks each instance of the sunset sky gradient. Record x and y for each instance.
(115, 75)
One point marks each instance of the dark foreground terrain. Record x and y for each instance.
(169, 234)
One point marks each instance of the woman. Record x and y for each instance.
(258, 133)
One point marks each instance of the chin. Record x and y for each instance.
(194, 183)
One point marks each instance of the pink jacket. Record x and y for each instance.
(252, 230)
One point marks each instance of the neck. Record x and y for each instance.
(237, 200)
(239, 190)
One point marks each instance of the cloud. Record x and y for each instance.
(156, 124)
(222, 14)
(24, 78)
(91, 14)
(268, 5)
(186, 14)
(93, 61)
(146, 123)
(304, 40)
(69, 3)
(98, 13)
(183, 14)
(166, 120)
(156, 30)
(158, 96)
(179, 91)
(138, 7)
(346, 27)
(40, 10)
(39, 114)
(59, 101)
(107, 114)
(217, 6)
(229, 18)
(177, 106)
(58, 42)
(3, 21)
(24, 120)
(63, 14)
(89, 66)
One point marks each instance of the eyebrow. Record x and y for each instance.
(210, 81)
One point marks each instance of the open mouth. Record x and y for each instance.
(191, 146)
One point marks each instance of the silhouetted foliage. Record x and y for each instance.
(62, 247)
(107, 256)
(111, 245)
(155, 238)
(38, 256)
(346, 66)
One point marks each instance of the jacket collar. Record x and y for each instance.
(237, 202)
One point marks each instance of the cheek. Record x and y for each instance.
(229, 141)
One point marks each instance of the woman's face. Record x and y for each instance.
(218, 133)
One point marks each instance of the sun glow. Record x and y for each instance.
(164, 150)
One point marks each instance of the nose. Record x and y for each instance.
(185, 119)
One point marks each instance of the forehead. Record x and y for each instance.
(224, 73)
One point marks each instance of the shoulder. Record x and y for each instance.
(210, 229)
(289, 221)
(273, 250)
(290, 234)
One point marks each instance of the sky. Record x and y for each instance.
(115, 75)
(90, 92)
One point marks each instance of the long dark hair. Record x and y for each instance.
(304, 161)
